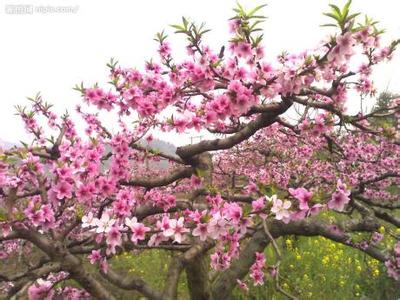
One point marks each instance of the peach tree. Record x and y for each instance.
(281, 147)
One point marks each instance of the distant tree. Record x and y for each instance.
(383, 106)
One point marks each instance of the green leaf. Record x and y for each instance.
(112, 63)
(3, 216)
(205, 31)
(200, 172)
(79, 88)
(241, 9)
(254, 10)
(262, 189)
(336, 10)
(179, 27)
(185, 22)
(345, 10)
(24, 144)
(329, 25)
(255, 24)
(258, 17)
(353, 16)
(333, 16)
(259, 39)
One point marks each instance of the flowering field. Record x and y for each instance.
(316, 268)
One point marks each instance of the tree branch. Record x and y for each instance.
(263, 120)
(158, 182)
(131, 282)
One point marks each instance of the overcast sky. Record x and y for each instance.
(48, 51)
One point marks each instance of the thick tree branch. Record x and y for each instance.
(171, 283)
(177, 265)
(384, 176)
(70, 263)
(33, 275)
(384, 215)
(74, 266)
(158, 182)
(157, 153)
(263, 120)
(197, 277)
(146, 210)
(131, 282)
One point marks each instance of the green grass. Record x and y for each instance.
(317, 268)
(152, 266)
(312, 268)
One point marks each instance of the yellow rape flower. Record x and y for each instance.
(289, 244)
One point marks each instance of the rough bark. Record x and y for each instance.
(197, 277)
(171, 283)
(69, 263)
(223, 285)
(74, 266)
(131, 282)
